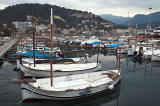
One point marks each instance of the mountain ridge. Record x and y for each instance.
(116, 19)
(141, 20)
(63, 17)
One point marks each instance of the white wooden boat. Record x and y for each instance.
(71, 87)
(43, 70)
(56, 61)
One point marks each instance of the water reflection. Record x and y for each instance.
(131, 64)
(154, 65)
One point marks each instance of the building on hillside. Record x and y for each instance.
(22, 25)
(41, 28)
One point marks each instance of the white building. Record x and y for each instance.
(20, 25)
(41, 28)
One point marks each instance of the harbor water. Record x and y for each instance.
(139, 85)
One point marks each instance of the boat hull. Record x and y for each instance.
(31, 93)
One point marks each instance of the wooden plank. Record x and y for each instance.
(23, 80)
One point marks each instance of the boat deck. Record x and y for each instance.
(74, 82)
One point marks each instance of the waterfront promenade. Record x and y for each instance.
(4, 48)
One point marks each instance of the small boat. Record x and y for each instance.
(71, 86)
(43, 70)
(47, 61)
(56, 60)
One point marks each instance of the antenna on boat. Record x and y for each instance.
(51, 47)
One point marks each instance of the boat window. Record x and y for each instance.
(148, 48)
(40, 48)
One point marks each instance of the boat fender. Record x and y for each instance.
(111, 87)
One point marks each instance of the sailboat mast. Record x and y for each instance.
(34, 33)
(98, 54)
(119, 66)
(51, 48)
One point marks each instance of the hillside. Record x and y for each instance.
(116, 19)
(142, 20)
(63, 18)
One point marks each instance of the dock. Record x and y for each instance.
(4, 48)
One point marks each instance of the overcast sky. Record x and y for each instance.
(115, 7)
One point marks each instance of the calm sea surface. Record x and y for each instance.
(140, 85)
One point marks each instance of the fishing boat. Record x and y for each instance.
(57, 60)
(71, 86)
(43, 70)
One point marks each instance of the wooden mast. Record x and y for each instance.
(98, 53)
(22, 37)
(119, 67)
(118, 54)
(51, 47)
(34, 34)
